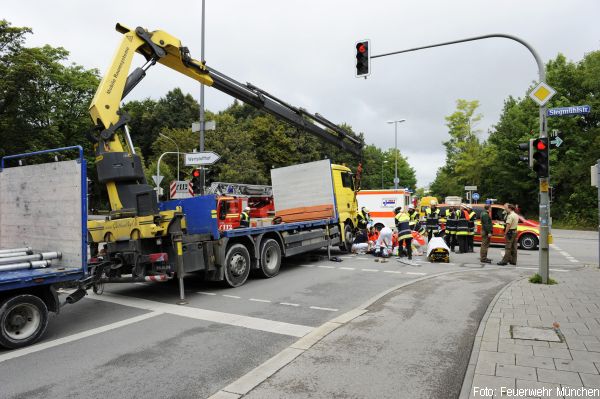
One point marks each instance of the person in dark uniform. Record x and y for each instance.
(404, 233)
(486, 235)
(363, 218)
(432, 219)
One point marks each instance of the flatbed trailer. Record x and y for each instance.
(36, 200)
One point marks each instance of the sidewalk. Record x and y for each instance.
(500, 361)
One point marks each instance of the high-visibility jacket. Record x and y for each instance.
(244, 220)
(462, 224)
(363, 219)
(432, 220)
(472, 217)
(403, 226)
(413, 220)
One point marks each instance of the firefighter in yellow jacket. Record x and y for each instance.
(404, 232)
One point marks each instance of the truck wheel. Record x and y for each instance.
(270, 258)
(348, 239)
(23, 320)
(528, 242)
(237, 265)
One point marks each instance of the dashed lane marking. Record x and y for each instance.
(253, 323)
(206, 293)
(416, 273)
(259, 300)
(369, 270)
(289, 304)
(326, 267)
(232, 296)
(346, 268)
(75, 337)
(392, 271)
(327, 309)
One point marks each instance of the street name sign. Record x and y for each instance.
(542, 93)
(574, 110)
(470, 188)
(201, 158)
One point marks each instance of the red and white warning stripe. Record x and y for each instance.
(157, 279)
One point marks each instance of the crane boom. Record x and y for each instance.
(121, 169)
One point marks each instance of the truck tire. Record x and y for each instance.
(348, 238)
(23, 320)
(270, 258)
(237, 265)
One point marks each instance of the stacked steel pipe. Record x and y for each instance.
(25, 258)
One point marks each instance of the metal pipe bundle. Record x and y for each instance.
(6, 251)
(27, 258)
(36, 264)
(13, 254)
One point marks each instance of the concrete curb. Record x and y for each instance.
(465, 391)
(253, 378)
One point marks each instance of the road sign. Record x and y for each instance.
(475, 196)
(180, 189)
(201, 158)
(396, 180)
(542, 93)
(208, 125)
(470, 188)
(557, 142)
(157, 180)
(565, 111)
(594, 174)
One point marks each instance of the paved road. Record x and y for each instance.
(135, 342)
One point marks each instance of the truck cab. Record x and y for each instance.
(346, 202)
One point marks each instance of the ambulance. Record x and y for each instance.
(381, 204)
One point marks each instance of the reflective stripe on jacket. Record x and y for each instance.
(403, 225)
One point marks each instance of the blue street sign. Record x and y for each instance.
(475, 196)
(565, 111)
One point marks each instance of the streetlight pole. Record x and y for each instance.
(201, 148)
(176, 146)
(382, 163)
(396, 180)
(158, 177)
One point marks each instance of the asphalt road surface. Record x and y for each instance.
(134, 341)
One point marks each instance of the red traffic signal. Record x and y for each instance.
(540, 145)
(363, 60)
(541, 157)
(196, 173)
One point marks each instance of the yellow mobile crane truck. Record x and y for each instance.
(146, 240)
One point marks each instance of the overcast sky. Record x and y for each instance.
(303, 52)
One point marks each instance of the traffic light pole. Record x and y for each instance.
(544, 197)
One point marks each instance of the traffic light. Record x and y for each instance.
(529, 148)
(197, 181)
(541, 155)
(363, 61)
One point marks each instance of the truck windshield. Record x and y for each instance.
(347, 180)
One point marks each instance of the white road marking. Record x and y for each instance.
(328, 309)
(254, 323)
(369, 270)
(326, 267)
(392, 271)
(306, 265)
(288, 304)
(573, 260)
(259, 300)
(231, 296)
(75, 337)
(535, 268)
(206, 293)
(565, 253)
(416, 273)
(346, 268)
